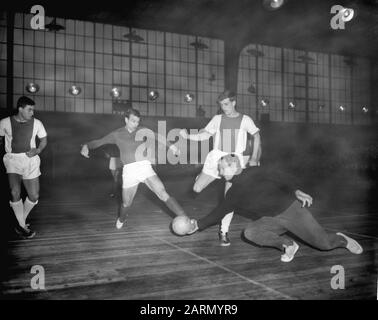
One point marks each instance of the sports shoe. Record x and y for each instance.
(223, 239)
(352, 245)
(194, 224)
(24, 233)
(119, 224)
(289, 252)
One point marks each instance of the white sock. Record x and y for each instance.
(226, 221)
(18, 208)
(28, 206)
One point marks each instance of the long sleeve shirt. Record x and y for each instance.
(133, 146)
(256, 192)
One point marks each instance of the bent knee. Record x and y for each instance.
(197, 188)
(250, 233)
(33, 197)
(16, 193)
(126, 203)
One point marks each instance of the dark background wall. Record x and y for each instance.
(303, 149)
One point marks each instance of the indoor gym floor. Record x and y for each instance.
(85, 257)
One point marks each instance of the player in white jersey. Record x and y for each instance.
(21, 160)
(230, 130)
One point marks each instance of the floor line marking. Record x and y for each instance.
(269, 289)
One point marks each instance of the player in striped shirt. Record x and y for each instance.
(21, 160)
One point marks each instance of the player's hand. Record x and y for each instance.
(304, 198)
(184, 133)
(84, 151)
(194, 227)
(33, 152)
(175, 150)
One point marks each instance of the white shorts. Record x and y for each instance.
(115, 163)
(136, 172)
(21, 164)
(210, 166)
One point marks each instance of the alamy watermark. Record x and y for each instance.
(341, 16)
(37, 282)
(338, 280)
(38, 21)
(181, 150)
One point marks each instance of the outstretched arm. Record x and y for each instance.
(94, 144)
(211, 128)
(216, 215)
(227, 205)
(202, 135)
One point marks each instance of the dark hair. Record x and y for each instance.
(24, 101)
(227, 94)
(132, 111)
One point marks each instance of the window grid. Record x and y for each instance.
(97, 57)
(325, 86)
(3, 60)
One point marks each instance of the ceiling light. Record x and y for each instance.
(153, 95)
(75, 90)
(272, 4)
(115, 93)
(32, 87)
(189, 97)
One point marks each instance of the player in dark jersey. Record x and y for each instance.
(136, 166)
(251, 188)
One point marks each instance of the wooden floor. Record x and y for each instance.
(85, 257)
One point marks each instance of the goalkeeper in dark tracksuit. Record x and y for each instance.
(286, 211)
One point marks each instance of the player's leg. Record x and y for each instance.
(113, 172)
(128, 195)
(209, 171)
(266, 232)
(114, 184)
(301, 222)
(31, 183)
(202, 181)
(16, 203)
(117, 181)
(156, 186)
(225, 223)
(32, 188)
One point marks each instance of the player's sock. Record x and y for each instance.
(28, 206)
(18, 209)
(173, 205)
(123, 213)
(226, 221)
